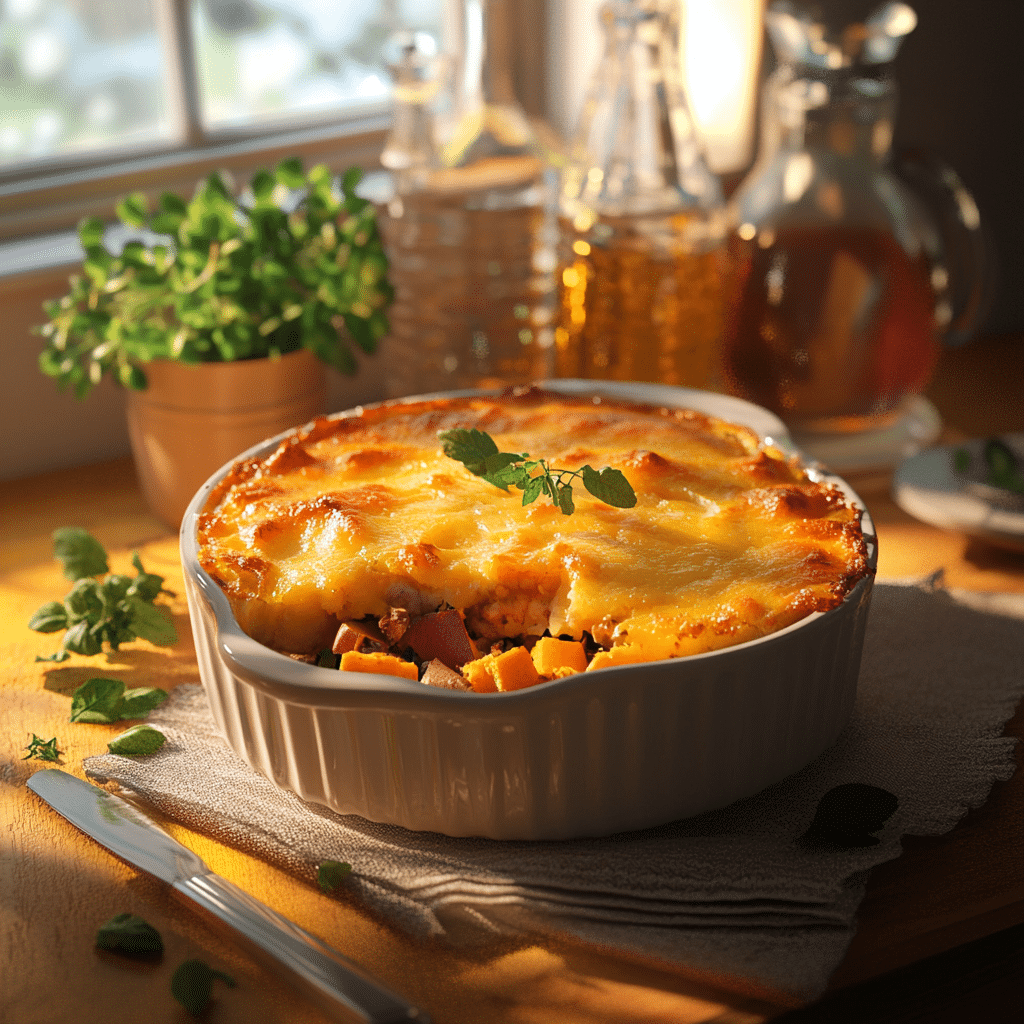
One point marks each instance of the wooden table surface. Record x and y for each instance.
(57, 887)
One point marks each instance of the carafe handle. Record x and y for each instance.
(966, 253)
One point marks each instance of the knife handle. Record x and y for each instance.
(334, 978)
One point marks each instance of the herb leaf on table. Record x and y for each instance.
(113, 611)
(128, 933)
(192, 985)
(103, 701)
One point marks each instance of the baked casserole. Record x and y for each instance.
(358, 534)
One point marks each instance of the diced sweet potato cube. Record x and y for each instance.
(383, 664)
(441, 635)
(480, 673)
(358, 636)
(439, 674)
(549, 653)
(627, 654)
(514, 670)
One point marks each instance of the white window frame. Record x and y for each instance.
(49, 196)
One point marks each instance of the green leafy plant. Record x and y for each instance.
(294, 263)
(102, 701)
(114, 610)
(477, 451)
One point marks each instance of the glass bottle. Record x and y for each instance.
(841, 292)
(642, 262)
(467, 227)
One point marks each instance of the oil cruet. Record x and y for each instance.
(842, 293)
(466, 225)
(642, 259)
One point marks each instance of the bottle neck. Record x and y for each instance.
(847, 115)
(485, 119)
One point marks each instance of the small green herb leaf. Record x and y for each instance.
(137, 741)
(98, 700)
(50, 618)
(609, 486)
(470, 447)
(192, 985)
(478, 452)
(138, 703)
(128, 933)
(81, 553)
(150, 622)
(42, 750)
(331, 873)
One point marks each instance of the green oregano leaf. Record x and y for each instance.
(470, 447)
(128, 933)
(149, 622)
(192, 985)
(81, 553)
(331, 873)
(478, 452)
(98, 700)
(609, 486)
(137, 741)
(51, 617)
(138, 702)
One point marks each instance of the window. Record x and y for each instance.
(100, 94)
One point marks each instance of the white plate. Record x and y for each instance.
(929, 487)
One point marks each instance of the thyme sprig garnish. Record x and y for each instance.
(477, 451)
(42, 750)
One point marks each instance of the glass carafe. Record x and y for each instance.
(467, 227)
(642, 259)
(843, 293)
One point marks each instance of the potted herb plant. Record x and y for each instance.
(220, 320)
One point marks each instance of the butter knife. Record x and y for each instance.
(126, 831)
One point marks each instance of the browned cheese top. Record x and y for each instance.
(352, 516)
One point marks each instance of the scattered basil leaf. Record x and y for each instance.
(137, 741)
(42, 750)
(138, 703)
(192, 985)
(848, 814)
(128, 933)
(80, 552)
(98, 700)
(150, 622)
(51, 617)
(331, 873)
(478, 452)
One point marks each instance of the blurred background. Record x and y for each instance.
(100, 97)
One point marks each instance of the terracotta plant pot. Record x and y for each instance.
(191, 420)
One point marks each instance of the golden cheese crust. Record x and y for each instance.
(351, 517)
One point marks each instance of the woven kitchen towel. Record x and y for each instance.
(733, 891)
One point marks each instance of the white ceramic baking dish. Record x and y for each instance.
(622, 748)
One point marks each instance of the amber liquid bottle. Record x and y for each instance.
(831, 327)
(642, 259)
(835, 318)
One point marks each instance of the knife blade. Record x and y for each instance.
(126, 831)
